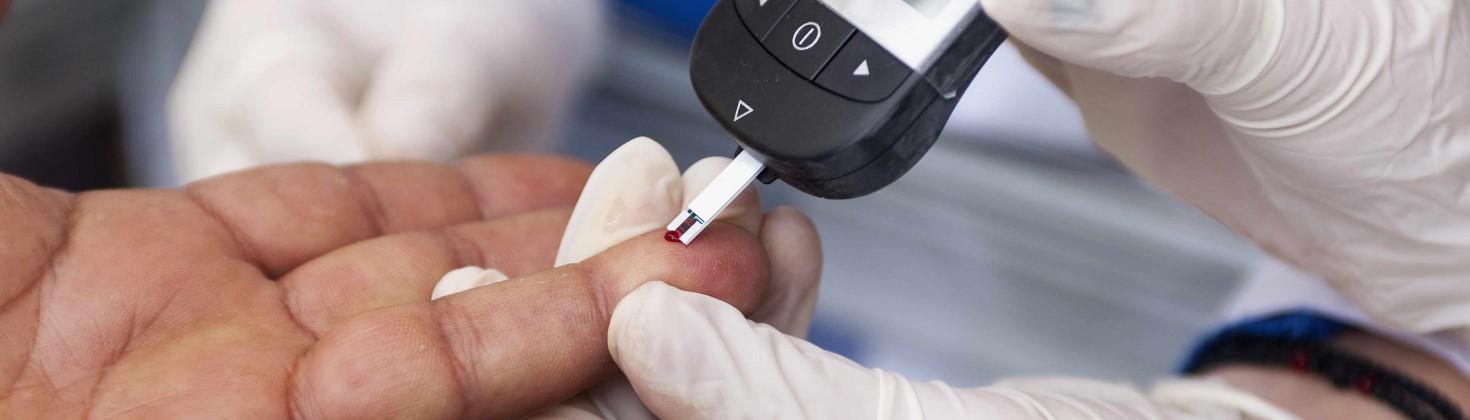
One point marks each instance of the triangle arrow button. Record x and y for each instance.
(862, 70)
(742, 110)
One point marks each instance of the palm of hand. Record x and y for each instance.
(295, 291)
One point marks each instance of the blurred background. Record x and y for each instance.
(1015, 247)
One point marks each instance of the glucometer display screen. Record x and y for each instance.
(931, 8)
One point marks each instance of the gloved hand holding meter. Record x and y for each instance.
(1333, 134)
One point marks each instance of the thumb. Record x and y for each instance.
(1215, 46)
(690, 356)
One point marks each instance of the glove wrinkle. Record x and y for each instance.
(897, 398)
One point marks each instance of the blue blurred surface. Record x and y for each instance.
(679, 16)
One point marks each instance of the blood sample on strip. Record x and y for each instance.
(714, 198)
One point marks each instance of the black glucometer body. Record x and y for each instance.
(838, 98)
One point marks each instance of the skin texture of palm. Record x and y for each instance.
(302, 291)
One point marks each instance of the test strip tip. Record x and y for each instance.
(710, 202)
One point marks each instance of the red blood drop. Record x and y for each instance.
(1300, 361)
(1365, 384)
(672, 236)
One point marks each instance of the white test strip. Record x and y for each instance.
(714, 198)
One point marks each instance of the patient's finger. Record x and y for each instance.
(504, 350)
(399, 269)
(283, 216)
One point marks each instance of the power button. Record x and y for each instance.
(808, 37)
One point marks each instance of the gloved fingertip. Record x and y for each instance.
(790, 238)
(786, 224)
(635, 190)
(644, 144)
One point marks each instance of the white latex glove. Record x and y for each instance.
(694, 357)
(348, 80)
(1334, 134)
(638, 189)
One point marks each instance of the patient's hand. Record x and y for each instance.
(303, 291)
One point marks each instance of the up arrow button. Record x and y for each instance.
(862, 70)
(760, 16)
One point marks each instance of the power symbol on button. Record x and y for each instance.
(806, 36)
